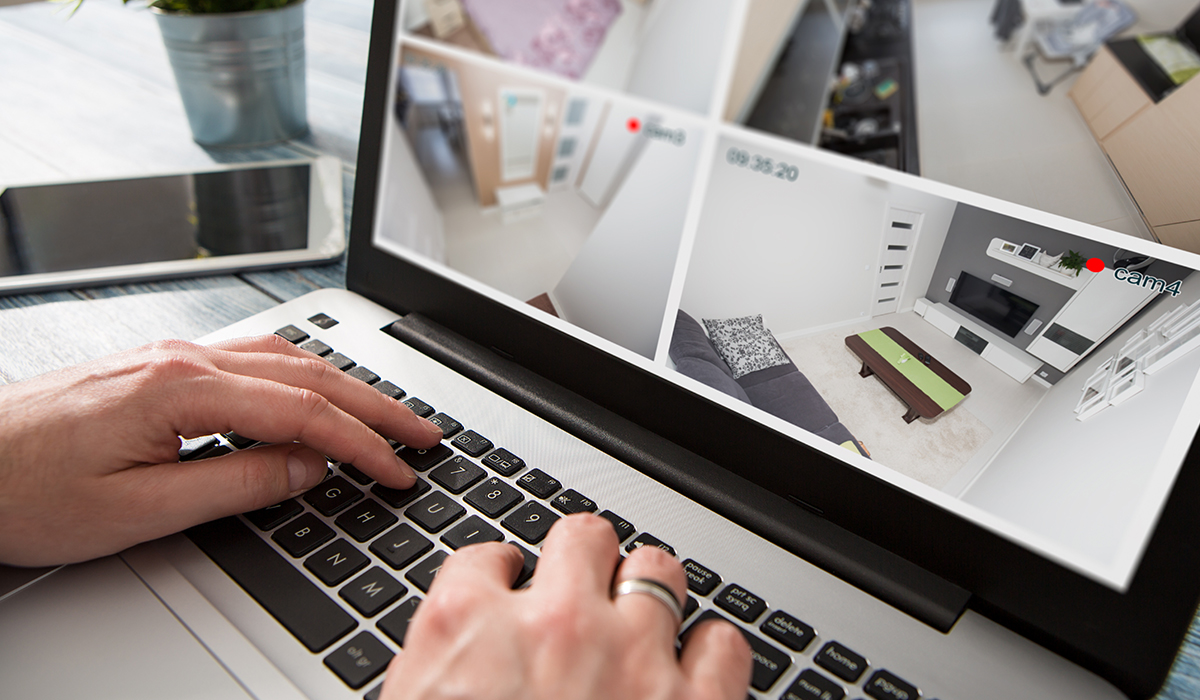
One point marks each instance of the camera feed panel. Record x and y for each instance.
(569, 200)
(669, 51)
(1084, 110)
(972, 356)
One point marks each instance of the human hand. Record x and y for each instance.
(563, 636)
(89, 454)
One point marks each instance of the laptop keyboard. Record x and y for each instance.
(349, 560)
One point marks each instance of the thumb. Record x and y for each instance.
(190, 493)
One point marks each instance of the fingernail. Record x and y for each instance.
(408, 471)
(431, 426)
(301, 474)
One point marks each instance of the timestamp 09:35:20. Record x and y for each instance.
(761, 164)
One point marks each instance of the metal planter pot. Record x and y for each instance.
(241, 74)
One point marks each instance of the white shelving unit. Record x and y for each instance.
(1123, 376)
(1100, 307)
(1003, 355)
(1006, 251)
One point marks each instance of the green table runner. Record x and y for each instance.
(914, 370)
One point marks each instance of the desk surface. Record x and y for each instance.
(93, 96)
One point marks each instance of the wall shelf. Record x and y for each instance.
(1068, 279)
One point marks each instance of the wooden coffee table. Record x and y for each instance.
(948, 387)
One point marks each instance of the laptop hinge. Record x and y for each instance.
(898, 582)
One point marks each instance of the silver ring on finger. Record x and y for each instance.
(654, 589)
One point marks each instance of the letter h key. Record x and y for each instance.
(365, 520)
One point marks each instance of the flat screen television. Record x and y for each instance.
(995, 306)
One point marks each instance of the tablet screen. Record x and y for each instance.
(83, 225)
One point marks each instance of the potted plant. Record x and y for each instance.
(239, 65)
(1072, 260)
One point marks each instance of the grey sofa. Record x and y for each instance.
(782, 390)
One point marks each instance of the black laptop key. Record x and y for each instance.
(886, 686)
(788, 631)
(398, 498)
(811, 685)
(457, 474)
(336, 563)
(527, 567)
(647, 540)
(362, 374)
(322, 321)
(395, 623)
(471, 531)
(288, 595)
(374, 693)
(419, 407)
(373, 591)
(292, 334)
(388, 389)
(204, 448)
(539, 483)
(530, 522)
(769, 662)
(571, 501)
(700, 579)
(302, 535)
(332, 495)
(449, 426)
(472, 443)
(624, 528)
(493, 497)
(690, 607)
(340, 361)
(316, 347)
(352, 471)
(272, 517)
(423, 572)
(841, 662)
(359, 660)
(217, 451)
(239, 441)
(423, 459)
(365, 520)
(196, 447)
(740, 603)
(504, 462)
(435, 511)
(401, 546)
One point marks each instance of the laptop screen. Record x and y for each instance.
(668, 181)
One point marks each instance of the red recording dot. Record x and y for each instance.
(1095, 264)
(634, 124)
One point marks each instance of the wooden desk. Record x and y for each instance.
(94, 96)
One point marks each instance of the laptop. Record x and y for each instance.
(914, 441)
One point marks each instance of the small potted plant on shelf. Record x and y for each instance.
(239, 65)
(1073, 261)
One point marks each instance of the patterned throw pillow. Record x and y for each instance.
(745, 344)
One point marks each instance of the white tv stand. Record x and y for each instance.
(1014, 362)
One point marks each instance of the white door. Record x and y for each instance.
(900, 230)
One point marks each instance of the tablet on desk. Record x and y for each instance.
(235, 218)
